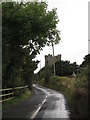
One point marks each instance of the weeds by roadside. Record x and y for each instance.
(17, 100)
(77, 97)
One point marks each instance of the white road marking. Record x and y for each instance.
(36, 112)
(46, 97)
(59, 111)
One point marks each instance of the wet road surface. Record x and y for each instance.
(45, 103)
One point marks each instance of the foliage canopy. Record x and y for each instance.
(26, 29)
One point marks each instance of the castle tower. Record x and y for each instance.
(49, 59)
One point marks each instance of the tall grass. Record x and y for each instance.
(77, 97)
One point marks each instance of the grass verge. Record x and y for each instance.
(28, 93)
(77, 97)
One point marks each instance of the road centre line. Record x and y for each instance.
(36, 112)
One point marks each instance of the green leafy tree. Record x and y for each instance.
(83, 76)
(86, 61)
(26, 29)
(65, 68)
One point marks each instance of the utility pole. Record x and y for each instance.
(53, 59)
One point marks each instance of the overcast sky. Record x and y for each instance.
(73, 24)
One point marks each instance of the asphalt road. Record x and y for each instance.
(45, 103)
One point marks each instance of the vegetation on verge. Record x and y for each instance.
(27, 93)
(75, 88)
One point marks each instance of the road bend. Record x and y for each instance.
(45, 103)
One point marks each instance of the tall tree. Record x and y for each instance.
(54, 35)
(65, 68)
(54, 38)
(26, 29)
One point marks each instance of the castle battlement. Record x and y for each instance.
(49, 59)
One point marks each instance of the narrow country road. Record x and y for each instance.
(45, 103)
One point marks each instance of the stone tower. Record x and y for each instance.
(49, 59)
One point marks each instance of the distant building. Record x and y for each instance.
(49, 59)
